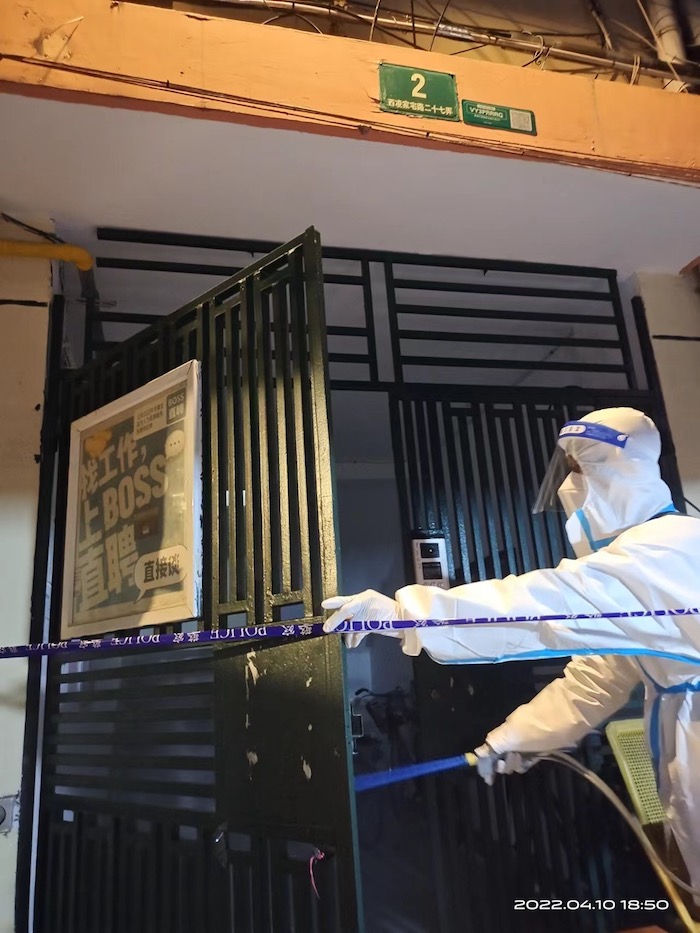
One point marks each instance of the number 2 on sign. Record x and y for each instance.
(419, 80)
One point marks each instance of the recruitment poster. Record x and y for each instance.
(133, 534)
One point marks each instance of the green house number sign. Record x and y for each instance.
(417, 92)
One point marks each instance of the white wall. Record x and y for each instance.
(23, 333)
(672, 305)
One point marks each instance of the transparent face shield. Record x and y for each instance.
(560, 466)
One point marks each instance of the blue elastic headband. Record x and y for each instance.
(595, 432)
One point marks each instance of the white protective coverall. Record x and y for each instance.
(642, 556)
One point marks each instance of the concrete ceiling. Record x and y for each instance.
(85, 166)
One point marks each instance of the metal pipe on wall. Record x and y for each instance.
(666, 30)
(690, 13)
(25, 250)
(401, 22)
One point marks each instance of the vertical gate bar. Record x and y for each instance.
(108, 879)
(80, 879)
(412, 461)
(248, 361)
(260, 899)
(200, 326)
(557, 415)
(73, 862)
(523, 855)
(161, 366)
(502, 472)
(501, 824)
(301, 379)
(449, 895)
(457, 498)
(472, 847)
(487, 503)
(215, 390)
(574, 825)
(519, 516)
(489, 848)
(517, 452)
(495, 517)
(140, 875)
(251, 899)
(369, 321)
(618, 312)
(392, 313)
(210, 613)
(555, 797)
(87, 333)
(546, 556)
(227, 426)
(103, 878)
(228, 912)
(181, 910)
(440, 480)
(152, 916)
(139, 368)
(283, 402)
(227, 358)
(53, 395)
(65, 878)
(92, 390)
(279, 905)
(167, 348)
(45, 870)
(323, 547)
(273, 429)
(219, 884)
(472, 501)
(236, 452)
(164, 874)
(480, 798)
(261, 479)
(125, 370)
(550, 422)
(63, 891)
(425, 455)
(196, 876)
(584, 813)
(172, 343)
(401, 456)
(323, 490)
(121, 877)
(97, 865)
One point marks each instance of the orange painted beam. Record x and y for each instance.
(107, 52)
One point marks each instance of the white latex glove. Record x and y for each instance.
(367, 606)
(491, 763)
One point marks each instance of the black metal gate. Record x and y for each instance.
(470, 465)
(479, 361)
(177, 793)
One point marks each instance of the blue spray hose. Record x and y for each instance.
(469, 760)
(394, 775)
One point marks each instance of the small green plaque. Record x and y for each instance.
(417, 92)
(497, 117)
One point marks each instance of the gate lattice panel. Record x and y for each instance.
(137, 829)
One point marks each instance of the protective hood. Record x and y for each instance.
(619, 485)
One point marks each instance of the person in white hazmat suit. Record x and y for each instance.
(634, 552)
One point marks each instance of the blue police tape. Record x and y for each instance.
(305, 629)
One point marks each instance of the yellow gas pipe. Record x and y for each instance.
(22, 249)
